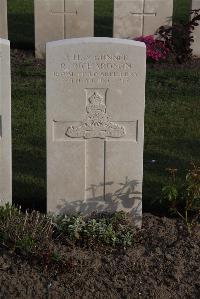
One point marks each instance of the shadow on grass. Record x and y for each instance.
(21, 30)
(103, 26)
(36, 199)
(29, 179)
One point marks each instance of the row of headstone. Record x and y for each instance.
(95, 125)
(60, 19)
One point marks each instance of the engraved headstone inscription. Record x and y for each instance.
(5, 124)
(95, 124)
(61, 19)
(134, 18)
(196, 34)
(3, 19)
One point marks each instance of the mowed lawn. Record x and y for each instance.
(172, 129)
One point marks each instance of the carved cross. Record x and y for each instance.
(65, 13)
(98, 132)
(143, 14)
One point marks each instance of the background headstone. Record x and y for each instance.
(5, 123)
(134, 18)
(3, 19)
(196, 34)
(95, 125)
(61, 19)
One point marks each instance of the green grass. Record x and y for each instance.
(172, 130)
(21, 23)
(28, 124)
(181, 8)
(103, 17)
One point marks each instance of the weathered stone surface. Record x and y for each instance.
(134, 18)
(5, 124)
(3, 19)
(61, 19)
(95, 124)
(196, 44)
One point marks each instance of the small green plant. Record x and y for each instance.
(126, 238)
(25, 244)
(184, 200)
(101, 230)
(30, 233)
(71, 226)
(112, 230)
(55, 257)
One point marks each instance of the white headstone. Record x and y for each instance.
(5, 123)
(61, 19)
(134, 18)
(3, 19)
(196, 34)
(95, 125)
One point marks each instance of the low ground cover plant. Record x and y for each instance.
(114, 230)
(29, 233)
(184, 199)
(36, 235)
